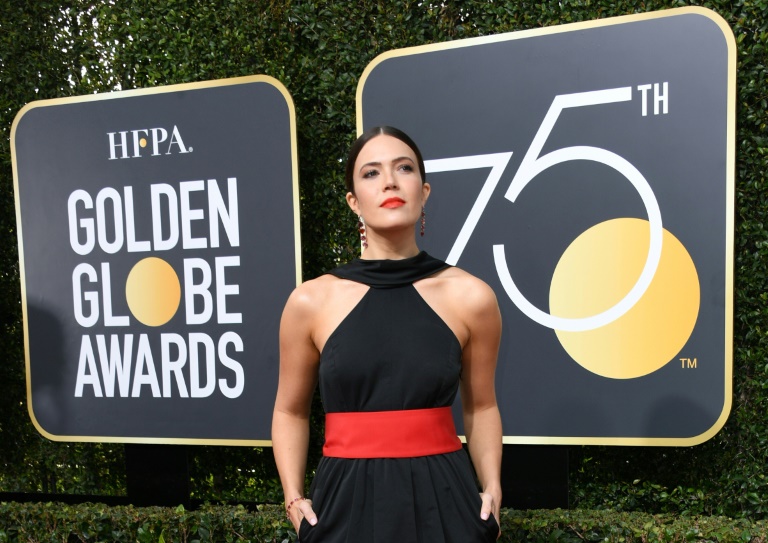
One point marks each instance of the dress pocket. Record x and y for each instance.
(493, 528)
(305, 531)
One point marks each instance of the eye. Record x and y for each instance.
(370, 173)
(406, 167)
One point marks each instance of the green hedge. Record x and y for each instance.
(50, 522)
(53, 522)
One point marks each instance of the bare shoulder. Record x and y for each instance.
(471, 291)
(316, 307)
(319, 296)
(464, 302)
(310, 296)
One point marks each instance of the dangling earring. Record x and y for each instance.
(361, 229)
(423, 221)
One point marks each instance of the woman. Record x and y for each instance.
(390, 338)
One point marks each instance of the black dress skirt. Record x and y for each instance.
(393, 352)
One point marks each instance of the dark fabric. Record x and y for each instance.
(393, 352)
(390, 273)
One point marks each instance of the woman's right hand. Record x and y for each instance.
(300, 510)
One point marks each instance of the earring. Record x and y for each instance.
(423, 221)
(361, 229)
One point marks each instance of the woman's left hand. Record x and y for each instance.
(490, 505)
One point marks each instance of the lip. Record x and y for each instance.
(391, 203)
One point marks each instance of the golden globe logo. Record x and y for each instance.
(153, 291)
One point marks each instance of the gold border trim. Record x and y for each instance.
(22, 275)
(730, 191)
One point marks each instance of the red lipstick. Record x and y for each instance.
(391, 203)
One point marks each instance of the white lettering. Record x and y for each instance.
(164, 244)
(113, 364)
(173, 366)
(195, 340)
(85, 224)
(172, 216)
(106, 295)
(156, 141)
(188, 215)
(176, 138)
(137, 142)
(87, 362)
(144, 360)
(112, 195)
(661, 98)
(130, 224)
(223, 290)
(113, 145)
(201, 289)
(237, 390)
(227, 213)
(92, 297)
(118, 365)
(644, 99)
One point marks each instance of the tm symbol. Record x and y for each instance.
(688, 363)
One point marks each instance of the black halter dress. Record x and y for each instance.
(393, 352)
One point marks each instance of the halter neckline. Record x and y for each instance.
(390, 273)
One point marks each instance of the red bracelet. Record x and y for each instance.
(290, 503)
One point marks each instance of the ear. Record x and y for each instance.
(352, 203)
(426, 189)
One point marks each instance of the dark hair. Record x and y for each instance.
(367, 136)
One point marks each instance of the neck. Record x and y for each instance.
(390, 247)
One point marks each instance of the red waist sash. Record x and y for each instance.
(390, 434)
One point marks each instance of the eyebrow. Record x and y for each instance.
(394, 161)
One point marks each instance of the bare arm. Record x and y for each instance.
(298, 377)
(482, 422)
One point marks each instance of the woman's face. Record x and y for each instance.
(389, 192)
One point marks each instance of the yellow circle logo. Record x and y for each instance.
(153, 291)
(596, 271)
(624, 297)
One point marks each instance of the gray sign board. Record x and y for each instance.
(586, 172)
(159, 241)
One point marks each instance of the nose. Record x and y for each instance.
(390, 180)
